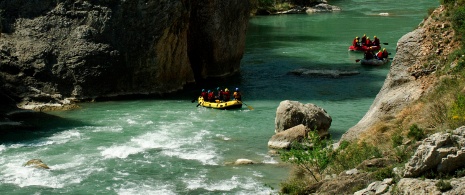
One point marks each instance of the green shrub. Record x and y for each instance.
(397, 140)
(416, 132)
(457, 112)
(313, 154)
(350, 155)
(294, 186)
(384, 173)
(443, 186)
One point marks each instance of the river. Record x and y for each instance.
(170, 146)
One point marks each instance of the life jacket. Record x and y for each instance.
(226, 96)
(385, 54)
(210, 96)
(364, 40)
(237, 95)
(368, 43)
(204, 95)
(376, 42)
(379, 55)
(355, 43)
(220, 95)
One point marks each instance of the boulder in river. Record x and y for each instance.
(292, 113)
(284, 139)
(36, 163)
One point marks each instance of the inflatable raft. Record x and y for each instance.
(374, 62)
(220, 105)
(364, 48)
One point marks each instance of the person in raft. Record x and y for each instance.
(368, 42)
(226, 95)
(368, 55)
(379, 55)
(376, 41)
(211, 96)
(385, 53)
(364, 39)
(219, 94)
(237, 95)
(204, 95)
(356, 42)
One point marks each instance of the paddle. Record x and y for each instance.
(250, 107)
(385, 43)
(193, 101)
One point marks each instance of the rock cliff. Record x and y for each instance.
(51, 50)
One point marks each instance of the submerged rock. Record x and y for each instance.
(243, 161)
(36, 163)
(323, 73)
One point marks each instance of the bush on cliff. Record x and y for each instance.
(316, 157)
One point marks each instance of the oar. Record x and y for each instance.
(385, 43)
(250, 107)
(193, 100)
(358, 60)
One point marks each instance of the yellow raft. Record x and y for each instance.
(220, 105)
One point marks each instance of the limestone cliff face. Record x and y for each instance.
(216, 43)
(51, 50)
(408, 79)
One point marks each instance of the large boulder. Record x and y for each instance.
(292, 113)
(284, 139)
(440, 152)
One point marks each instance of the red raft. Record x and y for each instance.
(364, 48)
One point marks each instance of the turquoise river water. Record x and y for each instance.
(170, 146)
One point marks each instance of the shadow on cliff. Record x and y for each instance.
(20, 125)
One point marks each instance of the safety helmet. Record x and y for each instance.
(384, 49)
(226, 89)
(356, 37)
(368, 38)
(208, 91)
(218, 88)
(237, 89)
(203, 90)
(364, 35)
(374, 36)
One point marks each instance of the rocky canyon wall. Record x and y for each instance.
(56, 49)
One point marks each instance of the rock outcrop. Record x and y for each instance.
(52, 50)
(292, 113)
(440, 153)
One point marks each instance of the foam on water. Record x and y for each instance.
(107, 129)
(2, 148)
(58, 176)
(239, 184)
(152, 188)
